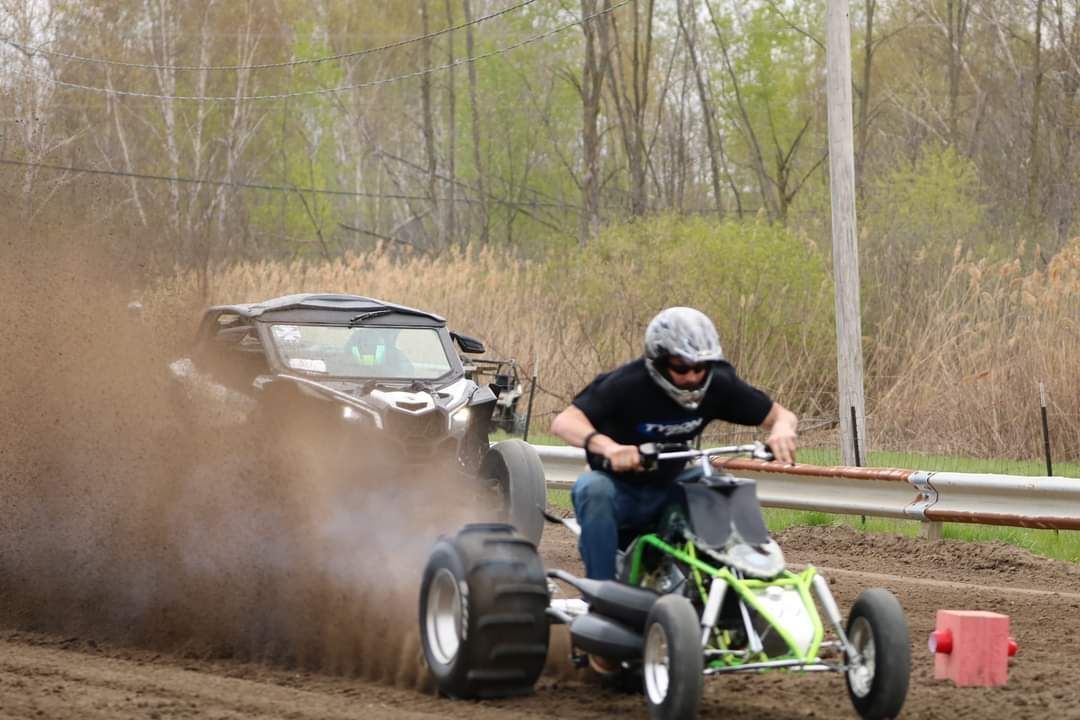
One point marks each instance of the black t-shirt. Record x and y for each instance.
(628, 406)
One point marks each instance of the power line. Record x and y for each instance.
(40, 50)
(279, 188)
(325, 91)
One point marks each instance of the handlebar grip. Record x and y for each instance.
(647, 453)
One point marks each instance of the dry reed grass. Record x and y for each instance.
(955, 370)
(484, 293)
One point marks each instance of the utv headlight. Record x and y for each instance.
(349, 414)
(459, 420)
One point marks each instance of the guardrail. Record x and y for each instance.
(932, 497)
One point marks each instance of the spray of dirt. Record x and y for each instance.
(123, 518)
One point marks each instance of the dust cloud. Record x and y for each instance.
(131, 514)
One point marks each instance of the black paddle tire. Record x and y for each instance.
(483, 619)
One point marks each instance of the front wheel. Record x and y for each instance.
(672, 667)
(877, 676)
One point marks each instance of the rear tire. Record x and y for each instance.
(518, 473)
(483, 620)
(673, 662)
(878, 683)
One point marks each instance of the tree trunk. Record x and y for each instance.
(1065, 191)
(165, 55)
(481, 180)
(957, 12)
(451, 135)
(689, 31)
(1036, 109)
(631, 104)
(768, 197)
(864, 104)
(590, 89)
(428, 119)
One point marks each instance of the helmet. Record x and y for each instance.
(688, 334)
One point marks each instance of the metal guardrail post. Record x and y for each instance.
(931, 529)
(532, 393)
(1045, 429)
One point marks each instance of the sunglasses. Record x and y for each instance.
(680, 368)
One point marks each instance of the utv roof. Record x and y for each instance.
(330, 303)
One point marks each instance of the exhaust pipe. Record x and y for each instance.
(599, 635)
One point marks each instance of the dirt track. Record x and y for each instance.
(43, 675)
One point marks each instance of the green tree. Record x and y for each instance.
(746, 275)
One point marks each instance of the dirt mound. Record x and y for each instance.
(996, 562)
(122, 519)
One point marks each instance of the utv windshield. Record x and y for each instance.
(362, 352)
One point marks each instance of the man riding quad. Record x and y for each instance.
(699, 589)
(669, 395)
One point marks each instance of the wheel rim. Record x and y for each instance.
(656, 665)
(861, 668)
(443, 618)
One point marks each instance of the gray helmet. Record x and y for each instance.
(688, 334)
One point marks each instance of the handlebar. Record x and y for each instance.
(652, 453)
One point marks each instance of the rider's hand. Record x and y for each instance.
(623, 458)
(783, 427)
(782, 443)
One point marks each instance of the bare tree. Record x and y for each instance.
(590, 88)
(1036, 111)
(36, 126)
(631, 94)
(864, 93)
(688, 27)
(952, 23)
(1067, 66)
(451, 133)
(757, 159)
(428, 119)
(474, 106)
(957, 13)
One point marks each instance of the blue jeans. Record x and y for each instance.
(605, 505)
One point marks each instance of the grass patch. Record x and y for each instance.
(943, 463)
(559, 500)
(1064, 545)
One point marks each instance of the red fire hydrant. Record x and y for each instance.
(972, 648)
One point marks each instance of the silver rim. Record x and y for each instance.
(443, 618)
(657, 663)
(861, 667)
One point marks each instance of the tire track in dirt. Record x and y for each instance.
(944, 584)
(1044, 680)
(51, 684)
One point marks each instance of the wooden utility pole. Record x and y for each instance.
(849, 361)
